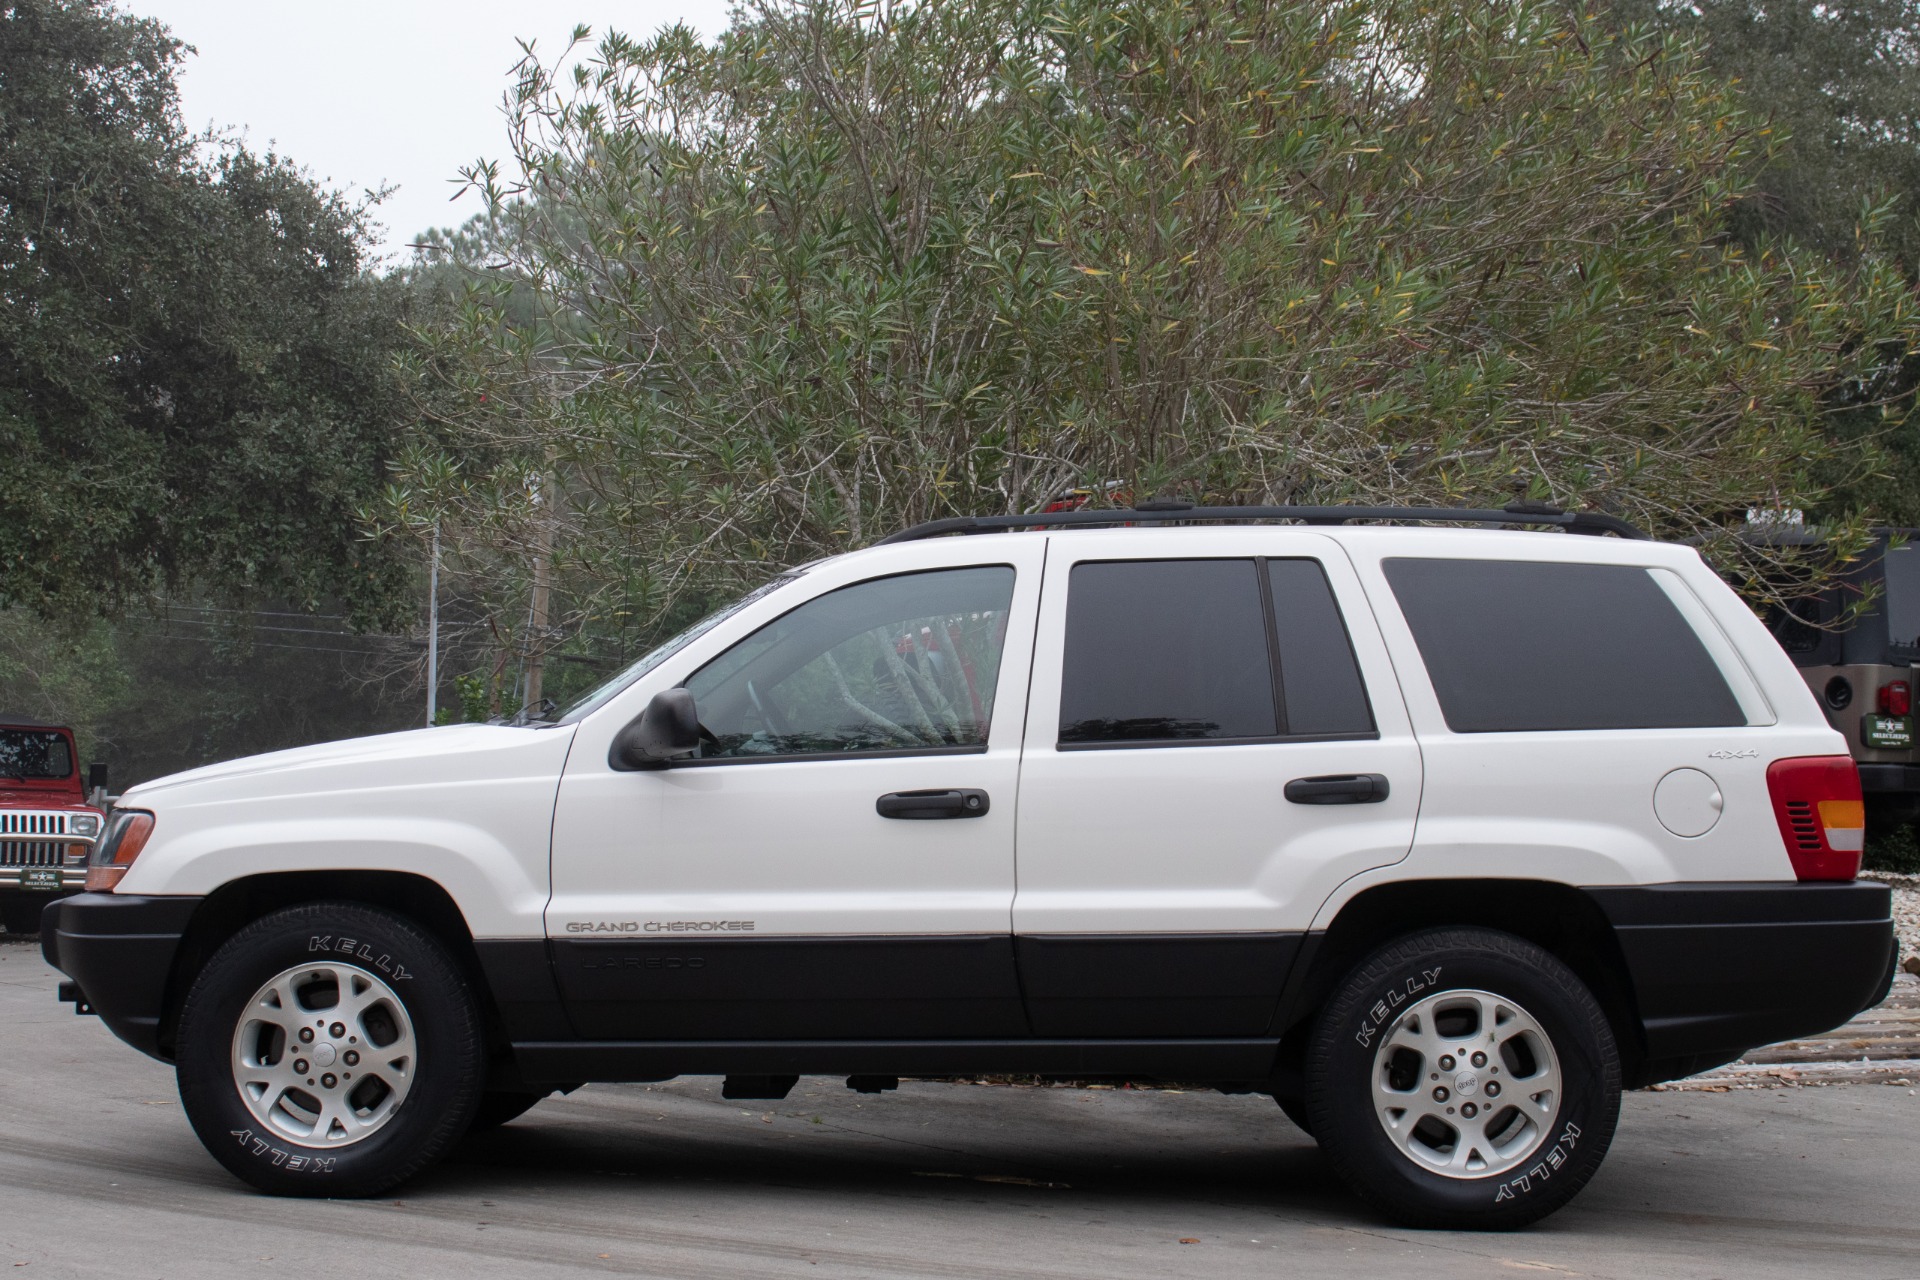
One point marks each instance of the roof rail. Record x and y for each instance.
(1170, 511)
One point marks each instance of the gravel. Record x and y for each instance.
(1906, 915)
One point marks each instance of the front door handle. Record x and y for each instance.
(1338, 788)
(969, 802)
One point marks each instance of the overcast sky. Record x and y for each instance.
(365, 92)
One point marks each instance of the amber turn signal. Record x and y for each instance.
(126, 837)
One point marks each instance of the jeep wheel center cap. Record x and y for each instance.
(323, 1054)
(1466, 1084)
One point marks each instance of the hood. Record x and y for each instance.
(393, 757)
(61, 797)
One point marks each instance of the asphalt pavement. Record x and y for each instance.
(103, 1177)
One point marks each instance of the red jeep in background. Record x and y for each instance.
(47, 826)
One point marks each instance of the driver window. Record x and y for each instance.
(907, 663)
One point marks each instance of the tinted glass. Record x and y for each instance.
(1317, 670)
(1165, 649)
(34, 753)
(907, 663)
(667, 648)
(1902, 568)
(1515, 645)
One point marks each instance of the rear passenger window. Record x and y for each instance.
(1519, 645)
(1195, 650)
(1165, 649)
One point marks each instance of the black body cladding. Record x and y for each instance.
(1713, 970)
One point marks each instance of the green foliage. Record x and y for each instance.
(475, 700)
(1839, 88)
(856, 265)
(152, 694)
(1839, 83)
(194, 369)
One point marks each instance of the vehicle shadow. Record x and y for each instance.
(959, 1143)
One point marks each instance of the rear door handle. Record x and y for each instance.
(920, 805)
(1338, 788)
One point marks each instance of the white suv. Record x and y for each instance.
(1440, 836)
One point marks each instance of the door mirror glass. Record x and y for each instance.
(667, 730)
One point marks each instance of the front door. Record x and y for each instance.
(1215, 741)
(837, 863)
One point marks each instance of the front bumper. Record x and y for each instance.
(119, 950)
(1719, 969)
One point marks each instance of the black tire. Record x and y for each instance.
(445, 1075)
(498, 1107)
(1379, 999)
(20, 914)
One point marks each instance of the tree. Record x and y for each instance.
(194, 367)
(857, 265)
(1840, 83)
(158, 691)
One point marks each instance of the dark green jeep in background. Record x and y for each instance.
(1864, 672)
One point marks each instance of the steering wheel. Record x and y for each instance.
(773, 726)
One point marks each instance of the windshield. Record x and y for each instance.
(34, 753)
(667, 648)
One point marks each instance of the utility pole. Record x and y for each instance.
(537, 613)
(433, 627)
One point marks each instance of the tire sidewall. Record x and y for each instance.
(1341, 1064)
(447, 1078)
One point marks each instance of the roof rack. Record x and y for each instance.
(1172, 511)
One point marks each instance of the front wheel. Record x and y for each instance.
(330, 1050)
(1463, 1079)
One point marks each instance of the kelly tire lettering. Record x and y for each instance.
(383, 963)
(327, 947)
(280, 1157)
(1351, 1067)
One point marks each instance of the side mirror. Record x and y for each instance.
(667, 729)
(97, 783)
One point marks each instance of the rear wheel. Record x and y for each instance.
(1463, 1079)
(330, 1050)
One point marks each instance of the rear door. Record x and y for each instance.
(1583, 721)
(1183, 682)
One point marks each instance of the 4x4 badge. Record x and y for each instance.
(1723, 754)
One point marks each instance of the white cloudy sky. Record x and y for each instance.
(365, 92)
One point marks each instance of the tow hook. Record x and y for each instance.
(70, 993)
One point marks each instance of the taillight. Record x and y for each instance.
(1817, 802)
(1896, 698)
(127, 834)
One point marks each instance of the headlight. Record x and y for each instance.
(84, 824)
(127, 835)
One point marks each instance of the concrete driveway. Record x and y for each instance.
(103, 1177)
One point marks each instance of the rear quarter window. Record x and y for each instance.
(1523, 645)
